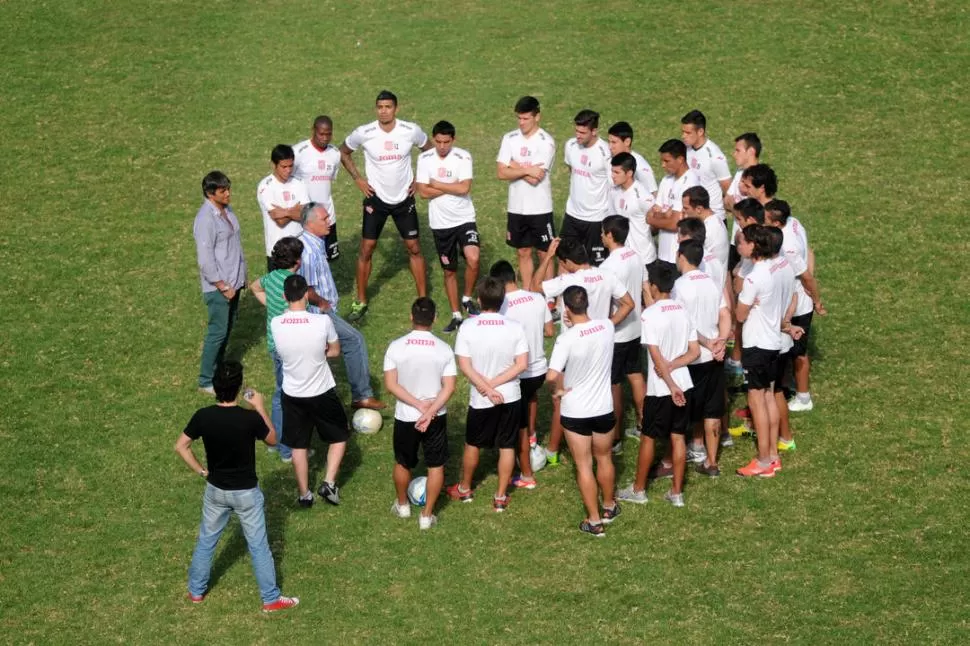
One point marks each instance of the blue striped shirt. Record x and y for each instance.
(315, 268)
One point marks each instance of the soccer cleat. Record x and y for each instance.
(660, 471)
(401, 511)
(455, 493)
(727, 441)
(774, 467)
(197, 598)
(470, 307)
(427, 522)
(675, 499)
(533, 440)
(305, 503)
(330, 493)
(610, 513)
(753, 469)
(633, 433)
(739, 430)
(596, 530)
(618, 447)
(629, 494)
(786, 445)
(357, 311)
(453, 324)
(283, 603)
(523, 483)
(798, 406)
(743, 413)
(696, 455)
(710, 471)
(552, 458)
(500, 503)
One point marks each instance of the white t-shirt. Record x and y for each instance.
(540, 148)
(734, 190)
(644, 173)
(422, 360)
(531, 311)
(387, 157)
(317, 169)
(589, 180)
(601, 288)
(796, 231)
(716, 240)
(584, 354)
(670, 195)
(492, 342)
(447, 211)
(633, 204)
(783, 274)
(272, 193)
(791, 248)
(762, 329)
(711, 167)
(301, 340)
(712, 266)
(703, 299)
(666, 324)
(628, 267)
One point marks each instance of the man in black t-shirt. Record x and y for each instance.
(229, 433)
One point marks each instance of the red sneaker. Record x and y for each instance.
(500, 503)
(455, 493)
(743, 413)
(754, 469)
(283, 603)
(774, 468)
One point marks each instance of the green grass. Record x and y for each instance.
(112, 112)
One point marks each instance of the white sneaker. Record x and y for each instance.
(426, 522)
(633, 433)
(629, 495)
(675, 499)
(798, 406)
(309, 454)
(726, 440)
(696, 455)
(401, 511)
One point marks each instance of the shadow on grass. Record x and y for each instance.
(249, 330)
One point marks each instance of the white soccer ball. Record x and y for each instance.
(417, 491)
(537, 458)
(367, 421)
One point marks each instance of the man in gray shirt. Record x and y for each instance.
(222, 269)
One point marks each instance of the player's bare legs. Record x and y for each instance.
(581, 448)
(472, 257)
(605, 472)
(506, 463)
(525, 461)
(402, 477)
(758, 404)
(526, 266)
(436, 480)
(784, 428)
(301, 471)
(712, 440)
(335, 455)
(364, 265)
(644, 460)
(555, 427)
(801, 368)
(469, 462)
(679, 453)
(417, 266)
(451, 289)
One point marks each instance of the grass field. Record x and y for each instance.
(111, 113)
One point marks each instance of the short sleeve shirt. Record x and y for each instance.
(447, 211)
(387, 157)
(633, 203)
(531, 311)
(537, 149)
(229, 434)
(589, 180)
(422, 360)
(670, 195)
(584, 354)
(492, 342)
(762, 329)
(317, 169)
(629, 268)
(272, 193)
(703, 299)
(301, 342)
(711, 167)
(601, 288)
(644, 173)
(666, 325)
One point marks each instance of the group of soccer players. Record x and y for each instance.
(637, 268)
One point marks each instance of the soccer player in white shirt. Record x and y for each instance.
(281, 197)
(316, 165)
(529, 309)
(747, 149)
(525, 161)
(492, 352)
(444, 178)
(669, 209)
(716, 245)
(588, 158)
(419, 370)
(388, 190)
(627, 265)
(304, 341)
(706, 159)
(711, 318)
(579, 374)
(620, 140)
(633, 200)
(672, 345)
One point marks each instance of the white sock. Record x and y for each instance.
(804, 397)
(456, 315)
(466, 299)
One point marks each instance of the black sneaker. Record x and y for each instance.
(660, 471)
(710, 471)
(305, 503)
(593, 530)
(471, 308)
(330, 493)
(453, 324)
(610, 513)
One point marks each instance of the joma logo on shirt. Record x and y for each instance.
(290, 319)
(593, 279)
(670, 308)
(519, 301)
(581, 172)
(627, 254)
(699, 276)
(592, 330)
(491, 322)
(419, 342)
(389, 157)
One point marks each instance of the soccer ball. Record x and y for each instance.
(537, 458)
(367, 421)
(417, 491)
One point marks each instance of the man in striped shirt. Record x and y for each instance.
(323, 299)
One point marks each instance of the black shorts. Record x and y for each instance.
(450, 242)
(589, 425)
(524, 231)
(331, 243)
(376, 212)
(589, 233)
(760, 367)
(626, 360)
(663, 418)
(529, 387)
(323, 412)
(407, 439)
(733, 259)
(781, 368)
(800, 349)
(707, 395)
(496, 427)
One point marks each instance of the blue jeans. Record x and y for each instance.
(222, 316)
(276, 410)
(217, 506)
(354, 350)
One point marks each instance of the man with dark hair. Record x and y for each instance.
(716, 245)
(316, 164)
(586, 349)
(529, 309)
(228, 433)
(620, 140)
(525, 160)
(669, 209)
(747, 150)
(492, 352)
(444, 178)
(280, 196)
(671, 344)
(222, 269)
(633, 200)
(588, 158)
(419, 370)
(388, 190)
(759, 182)
(706, 159)
(304, 341)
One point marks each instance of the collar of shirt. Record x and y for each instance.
(316, 269)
